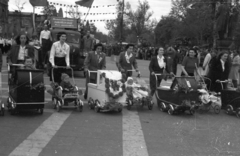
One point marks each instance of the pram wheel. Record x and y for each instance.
(79, 108)
(97, 109)
(150, 105)
(41, 110)
(216, 109)
(162, 107)
(192, 111)
(229, 109)
(54, 102)
(171, 110)
(129, 104)
(58, 106)
(91, 103)
(119, 110)
(238, 112)
(79, 105)
(2, 112)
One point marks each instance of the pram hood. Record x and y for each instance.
(112, 74)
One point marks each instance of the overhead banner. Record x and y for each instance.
(35, 3)
(58, 22)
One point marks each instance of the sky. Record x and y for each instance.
(158, 7)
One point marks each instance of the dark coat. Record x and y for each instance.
(13, 53)
(154, 67)
(216, 73)
(123, 64)
(92, 63)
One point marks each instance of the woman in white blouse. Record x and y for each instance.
(59, 56)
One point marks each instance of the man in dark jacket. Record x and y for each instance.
(95, 60)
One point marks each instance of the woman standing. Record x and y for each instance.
(20, 51)
(189, 63)
(59, 56)
(234, 72)
(126, 61)
(158, 65)
(219, 70)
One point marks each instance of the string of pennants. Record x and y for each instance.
(90, 13)
(67, 5)
(104, 20)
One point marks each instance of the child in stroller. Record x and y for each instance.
(66, 93)
(137, 93)
(66, 84)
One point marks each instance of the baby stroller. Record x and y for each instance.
(178, 98)
(208, 100)
(138, 93)
(26, 89)
(108, 94)
(64, 99)
(2, 106)
(230, 98)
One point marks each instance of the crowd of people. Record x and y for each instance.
(191, 61)
(5, 44)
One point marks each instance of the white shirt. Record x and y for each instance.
(1, 41)
(59, 50)
(223, 63)
(45, 34)
(128, 57)
(22, 53)
(161, 62)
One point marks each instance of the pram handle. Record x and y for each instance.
(139, 73)
(64, 67)
(14, 65)
(221, 82)
(224, 81)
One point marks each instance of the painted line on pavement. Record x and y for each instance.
(36, 141)
(133, 138)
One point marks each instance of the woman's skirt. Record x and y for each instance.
(57, 72)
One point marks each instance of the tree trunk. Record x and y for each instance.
(214, 26)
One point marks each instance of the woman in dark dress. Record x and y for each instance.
(158, 65)
(219, 70)
(190, 62)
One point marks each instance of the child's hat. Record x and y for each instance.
(64, 76)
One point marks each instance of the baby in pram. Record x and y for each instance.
(135, 90)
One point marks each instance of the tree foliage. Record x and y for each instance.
(192, 19)
(137, 23)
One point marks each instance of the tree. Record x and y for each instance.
(74, 12)
(20, 6)
(140, 19)
(165, 30)
(49, 10)
(136, 23)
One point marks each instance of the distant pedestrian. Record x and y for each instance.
(45, 41)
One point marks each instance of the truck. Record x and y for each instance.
(70, 27)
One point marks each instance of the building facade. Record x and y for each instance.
(3, 17)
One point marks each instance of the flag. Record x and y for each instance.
(35, 3)
(85, 3)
